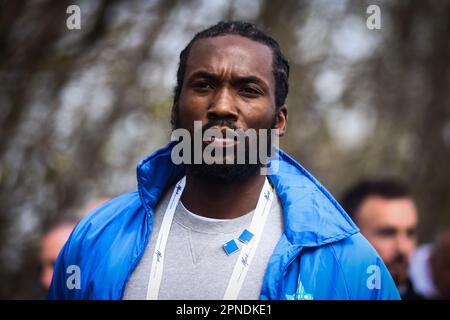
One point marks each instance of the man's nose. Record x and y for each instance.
(223, 105)
(404, 244)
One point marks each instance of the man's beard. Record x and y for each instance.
(224, 173)
(229, 172)
(398, 267)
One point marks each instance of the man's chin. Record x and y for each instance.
(224, 173)
(399, 277)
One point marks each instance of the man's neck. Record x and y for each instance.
(220, 200)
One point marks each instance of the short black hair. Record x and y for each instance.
(388, 188)
(250, 31)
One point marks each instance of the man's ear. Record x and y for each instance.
(282, 119)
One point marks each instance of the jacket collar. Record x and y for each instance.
(312, 217)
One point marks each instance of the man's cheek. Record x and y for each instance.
(186, 119)
(187, 115)
(383, 247)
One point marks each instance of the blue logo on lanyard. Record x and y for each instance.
(158, 255)
(244, 260)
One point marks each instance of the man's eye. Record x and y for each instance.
(250, 91)
(412, 233)
(387, 232)
(201, 85)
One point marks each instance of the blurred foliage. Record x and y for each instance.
(80, 108)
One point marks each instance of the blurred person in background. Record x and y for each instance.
(386, 214)
(420, 271)
(440, 264)
(54, 239)
(51, 244)
(430, 267)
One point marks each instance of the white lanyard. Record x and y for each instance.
(247, 250)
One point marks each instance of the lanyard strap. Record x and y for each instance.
(248, 250)
(156, 271)
(244, 259)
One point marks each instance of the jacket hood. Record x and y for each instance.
(312, 217)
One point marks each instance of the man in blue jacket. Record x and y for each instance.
(220, 229)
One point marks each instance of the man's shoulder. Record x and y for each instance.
(357, 246)
(348, 269)
(110, 215)
(352, 253)
(362, 269)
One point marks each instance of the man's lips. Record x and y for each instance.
(228, 138)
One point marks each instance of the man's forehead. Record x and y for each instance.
(231, 53)
(401, 211)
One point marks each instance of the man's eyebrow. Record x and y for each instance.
(239, 79)
(386, 230)
(204, 74)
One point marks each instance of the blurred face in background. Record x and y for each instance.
(390, 226)
(51, 245)
(440, 266)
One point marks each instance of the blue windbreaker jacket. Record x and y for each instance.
(321, 254)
